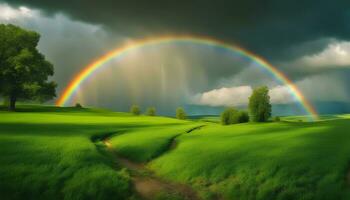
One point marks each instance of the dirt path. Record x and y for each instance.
(146, 183)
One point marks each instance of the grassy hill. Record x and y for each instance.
(49, 153)
(57, 153)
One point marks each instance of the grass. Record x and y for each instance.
(144, 144)
(321, 118)
(264, 161)
(48, 153)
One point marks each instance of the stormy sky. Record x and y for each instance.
(308, 40)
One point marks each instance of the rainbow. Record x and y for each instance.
(89, 70)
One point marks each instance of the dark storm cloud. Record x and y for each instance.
(269, 27)
(307, 40)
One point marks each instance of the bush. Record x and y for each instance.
(233, 116)
(276, 119)
(151, 111)
(228, 115)
(180, 113)
(241, 117)
(135, 110)
(78, 105)
(6, 102)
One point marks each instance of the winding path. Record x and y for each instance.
(145, 182)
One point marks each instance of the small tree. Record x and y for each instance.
(135, 110)
(180, 113)
(24, 71)
(227, 117)
(259, 105)
(151, 111)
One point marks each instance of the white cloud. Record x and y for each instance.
(234, 96)
(9, 13)
(238, 96)
(337, 54)
(281, 94)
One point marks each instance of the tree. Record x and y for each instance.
(135, 110)
(259, 105)
(227, 116)
(24, 71)
(180, 113)
(151, 111)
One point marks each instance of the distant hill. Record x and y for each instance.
(279, 109)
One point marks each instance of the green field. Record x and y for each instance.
(58, 153)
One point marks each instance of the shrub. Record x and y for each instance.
(6, 102)
(276, 119)
(227, 117)
(151, 111)
(232, 116)
(135, 110)
(78, 105)
(180, 113)
(242, 117)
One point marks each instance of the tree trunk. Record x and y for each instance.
(12, 105)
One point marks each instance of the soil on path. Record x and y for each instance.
(146, 183)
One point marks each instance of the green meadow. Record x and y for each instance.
(61, 153)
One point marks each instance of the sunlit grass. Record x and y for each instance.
(47, 153)
(264, 161)
(146, 143)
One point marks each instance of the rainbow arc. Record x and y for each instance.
(278, 75)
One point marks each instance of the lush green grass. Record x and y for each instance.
(264, 161)
(206, 118)
(321, 118)
(47, 153)
(147, 143)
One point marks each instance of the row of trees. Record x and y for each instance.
(259, 109)
(151, 111)
(135, 110)
(24, 71)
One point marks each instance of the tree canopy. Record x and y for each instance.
(135, 110)
(24, 71)
(151, 111)
(180, 113)
(259, 105)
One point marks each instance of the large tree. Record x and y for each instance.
(24, 71)
(259, 105)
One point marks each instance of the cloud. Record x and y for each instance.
(326, 87)
(238, 96)
(269, 28)
(234, 96)
(336, 54)
(281, 94)
(7, 13)
(313, 55)
(67, 43)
